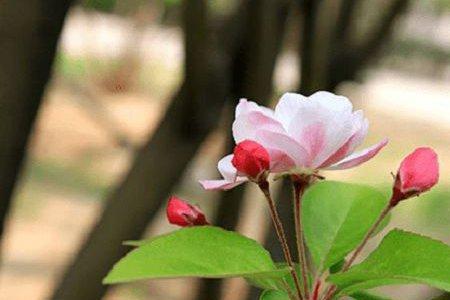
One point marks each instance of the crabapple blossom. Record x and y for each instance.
(302, 135)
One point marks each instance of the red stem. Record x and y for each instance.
(279, 229)
(299, 188)
(316, 290)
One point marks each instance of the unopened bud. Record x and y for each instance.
(251, 159)
(418, 172)
(184, 214)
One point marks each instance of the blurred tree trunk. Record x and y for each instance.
(343, 63)
(349, 58)
(264, 23)
(159, 165)
(29, 32)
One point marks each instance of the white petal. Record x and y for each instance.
(331, 101)
(359, 157)
(360, 129)
(220, 184)
(244, 107)
(287, 107)
(226, 168)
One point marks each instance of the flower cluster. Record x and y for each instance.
(299, 138)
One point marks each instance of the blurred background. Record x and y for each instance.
(109, 106)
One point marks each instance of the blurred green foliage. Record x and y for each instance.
(100, 5)
(70, 67)
(172, 2)
(67, 177)
(440, 6)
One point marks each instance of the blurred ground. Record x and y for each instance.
(77, 155)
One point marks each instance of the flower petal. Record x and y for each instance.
(251, 117)
(221, 184)
(360, 129)
(244, 107)
(226, 168)
(359, 157)
(331, 101)
(279, 161)
(287, 107)
(322, 125)
(282, 146)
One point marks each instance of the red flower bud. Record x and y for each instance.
(418, 172)
(251, 159)
(183, 214)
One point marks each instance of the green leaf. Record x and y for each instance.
(363, 295)
(402, 257)
(337, 266)
(203, 251)
(336, 217)
(274, 295)
(269, 282)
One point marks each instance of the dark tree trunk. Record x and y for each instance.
(252, 77)
(29, 32)
(161, 162)
(349, 59)
(340, 71)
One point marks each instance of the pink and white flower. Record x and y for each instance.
(302, 135)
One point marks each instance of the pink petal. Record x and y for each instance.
(279, 161)
(246, 125)
(360, 128)
(221, 184)
(244, 106)
(321, 129)
(282, 146)
(359, 157)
